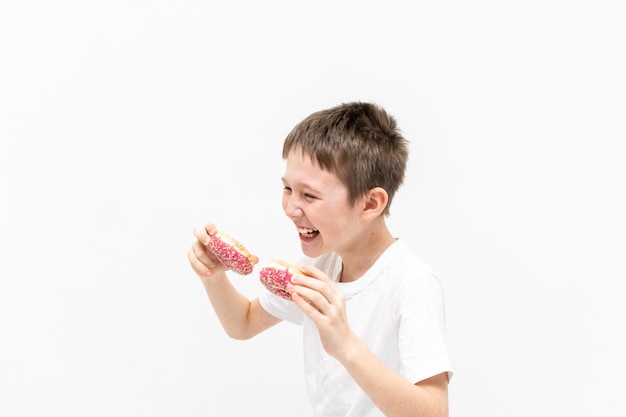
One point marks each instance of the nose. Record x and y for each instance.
(291, 206)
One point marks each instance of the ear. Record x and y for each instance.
(375, 200)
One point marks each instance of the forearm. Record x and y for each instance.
(324, 304)
(239, 316)
(393, 394)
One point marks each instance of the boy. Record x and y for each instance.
(371, 310)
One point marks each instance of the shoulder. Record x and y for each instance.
(408, 264)
(411, 274)
(418, 298)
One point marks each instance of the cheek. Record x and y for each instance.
(284, 201)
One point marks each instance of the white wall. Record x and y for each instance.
(124, 124)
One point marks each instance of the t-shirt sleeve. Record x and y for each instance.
(422, 344)
(281, 308)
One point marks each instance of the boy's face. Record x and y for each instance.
(317, 203)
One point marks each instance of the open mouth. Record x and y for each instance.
(308, 233)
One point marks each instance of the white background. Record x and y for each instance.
(125, 124)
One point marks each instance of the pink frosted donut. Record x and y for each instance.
(231, 253)
(276, 275)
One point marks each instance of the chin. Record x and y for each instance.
(312, 252)
(309, 251)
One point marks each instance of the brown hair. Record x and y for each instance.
(359, 142)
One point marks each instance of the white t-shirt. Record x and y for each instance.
(396, 308)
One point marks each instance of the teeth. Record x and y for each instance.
(306, 232)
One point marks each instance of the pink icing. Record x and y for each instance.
(276, 280)
(229, 256)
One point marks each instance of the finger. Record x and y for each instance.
(201, 234)
(317, 296)
(199, 249)
(312, 297)
(318, 282)
(311, 271)
(306, 306)
(204, 256)
(197, 265)
(210, 228)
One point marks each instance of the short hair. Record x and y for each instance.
(359, 142)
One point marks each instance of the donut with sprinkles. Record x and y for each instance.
(276, 275)
(231, 253)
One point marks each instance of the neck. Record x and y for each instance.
(365, 254)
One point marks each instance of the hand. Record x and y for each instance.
(202, 260)
(320, 299)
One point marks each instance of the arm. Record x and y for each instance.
(321, 301)
(393, 394)
(240, 317)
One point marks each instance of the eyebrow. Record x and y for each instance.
(304, 185)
